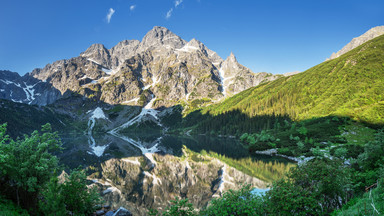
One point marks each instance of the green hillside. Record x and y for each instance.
(351, 85)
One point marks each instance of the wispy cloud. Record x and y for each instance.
(169, 13)
(109, 15)
(178, 2)
(132, 7)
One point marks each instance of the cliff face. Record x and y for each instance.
(161, 66)
(139, 183)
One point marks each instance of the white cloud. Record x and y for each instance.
(178, 2)
(132, 7)
(109, 15)
(169, 13)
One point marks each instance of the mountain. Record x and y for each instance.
(162, 68)
(26, 89)
(22, 118)
(350, 85)
(369, 35)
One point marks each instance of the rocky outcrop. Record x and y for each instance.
(369, 35)
(236, 78)
(161, 66)
(136, 184)
(26, 89)
(98, 54)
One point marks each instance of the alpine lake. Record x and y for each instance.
(106, 154)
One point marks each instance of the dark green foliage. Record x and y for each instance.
(240, 202)
(371, 203)
(230, 123)
(373, 156)
(52, 202)
(29, 163)
(73, 196)
(174, 118)
(8, 208)
(27, 175)
(315, 188)
(370, 163)
(298, 138)
(24, 119)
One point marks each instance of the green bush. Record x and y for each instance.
(315, 188)
(236, 202)
(29, 164)
(70, 196)
(7, 207)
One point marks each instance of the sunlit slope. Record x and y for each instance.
(351, 85)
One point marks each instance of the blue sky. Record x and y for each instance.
(271, 36)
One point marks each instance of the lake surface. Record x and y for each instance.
(92, 150)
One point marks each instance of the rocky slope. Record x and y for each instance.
(26, 89)
(162, 66)
(139, 183)
(369, 35)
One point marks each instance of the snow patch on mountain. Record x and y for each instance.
(188, 48)
(30, 92)
(146, 111)
(109, 71)
(89, 59)
(131, 101)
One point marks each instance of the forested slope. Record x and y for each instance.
(351, 85)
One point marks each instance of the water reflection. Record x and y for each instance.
(93, 149)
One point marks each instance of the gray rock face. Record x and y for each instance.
(135, 184)
(162, 67)
(236, 78)
(122, 51)
(160, 37)
(98, 54)
(26, 89)
(369, 35)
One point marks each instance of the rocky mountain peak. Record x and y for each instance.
(8, 75)
(232, 58)
(156, 72)
(231, 63)
(161, 36)
(195, 43)
(369, 35)
(94, 48)
(122, 51)
(98, 54)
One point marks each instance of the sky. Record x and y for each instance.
(266, 36)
